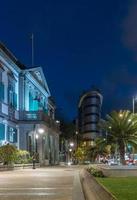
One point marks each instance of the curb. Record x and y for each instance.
(92, 189)
(77, 188)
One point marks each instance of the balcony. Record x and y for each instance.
(8, 112)
(38, 117)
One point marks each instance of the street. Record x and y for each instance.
(50, 183)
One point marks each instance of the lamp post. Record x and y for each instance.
(35, 137)
(35, 146)
(70, 150)
(77, 139)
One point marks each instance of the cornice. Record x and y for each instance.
(36, 84)
(9, 63)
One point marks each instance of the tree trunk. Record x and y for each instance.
(122, 153)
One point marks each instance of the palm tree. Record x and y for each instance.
(100, 147)
(121, 129)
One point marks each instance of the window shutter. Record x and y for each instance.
(1, 91)
(2, 132)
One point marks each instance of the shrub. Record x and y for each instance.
(95, 172)
(8, 154)
(23, 157)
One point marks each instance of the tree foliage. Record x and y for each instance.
(23, 157)
(121, 129)
(80, 154)
(8, 154)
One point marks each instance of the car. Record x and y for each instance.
(112, 162)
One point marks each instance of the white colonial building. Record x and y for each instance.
(27, 112)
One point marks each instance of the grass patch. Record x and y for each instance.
(124, 188)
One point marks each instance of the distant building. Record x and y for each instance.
(27, 113)
(89, 114)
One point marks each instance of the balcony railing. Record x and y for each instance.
(9, 112)
(38, 116)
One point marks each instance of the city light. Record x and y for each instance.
(69, 163)
(72, 144)
(41, 130)
(120, 115)
(37, 136)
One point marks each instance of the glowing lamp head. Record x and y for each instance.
(72, 144)
(37, 136)
(41, 130)
(120, 115)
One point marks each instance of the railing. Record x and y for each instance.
(31, 116)
(8, 111)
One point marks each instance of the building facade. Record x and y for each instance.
(89, 114)
(27, 112)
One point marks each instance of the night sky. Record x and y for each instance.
(79, 43)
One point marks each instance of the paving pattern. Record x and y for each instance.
(53, 183)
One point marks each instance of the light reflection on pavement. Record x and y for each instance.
(55, 183)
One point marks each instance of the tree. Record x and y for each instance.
(90, 153)
(80, 154)
(100, 147)
(121, 129)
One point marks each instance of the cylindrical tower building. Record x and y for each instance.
(89, 109)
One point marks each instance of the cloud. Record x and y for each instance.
(130, 27)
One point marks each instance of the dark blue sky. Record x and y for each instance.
(79, 43)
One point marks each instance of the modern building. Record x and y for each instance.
(27, 112)
(89, 114)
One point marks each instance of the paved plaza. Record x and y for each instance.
(51, 183)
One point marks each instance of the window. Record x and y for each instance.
(1, 87)
(12, 135)
(12, 95)
(33, 102)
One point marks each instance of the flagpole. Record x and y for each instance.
(32, 49)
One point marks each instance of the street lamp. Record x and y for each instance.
(35, 146)
(120, 115)
(37, 136)
(70, 151)
(71, 144)
(41, 130)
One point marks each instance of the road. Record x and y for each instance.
(51, 183)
